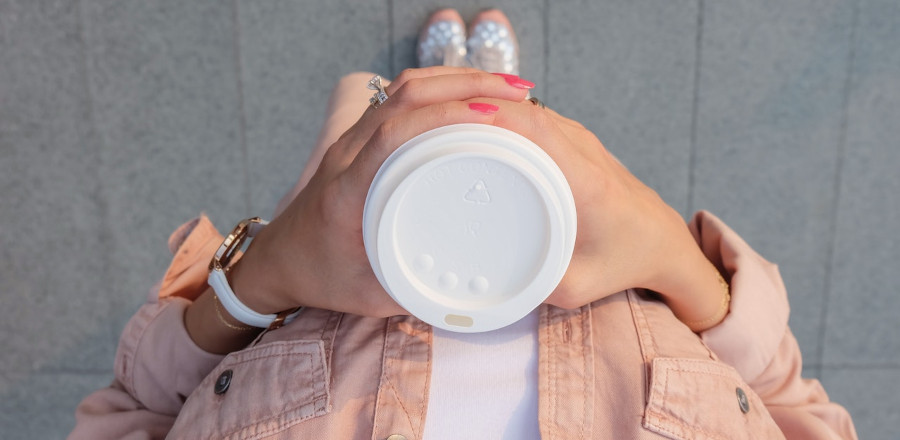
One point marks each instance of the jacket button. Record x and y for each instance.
(743, 401)
(223, 382)
(396, 437)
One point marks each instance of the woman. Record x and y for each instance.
(657, 330)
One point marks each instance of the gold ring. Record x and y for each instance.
(537, 102)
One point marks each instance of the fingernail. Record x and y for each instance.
(482, 107)
(515, 81)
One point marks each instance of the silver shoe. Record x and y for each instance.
(443, 45)
(492, 48)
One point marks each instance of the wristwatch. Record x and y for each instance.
(219, 266)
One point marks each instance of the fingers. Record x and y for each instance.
(423, 87)
(425, 72)
(542, 126)
(571, 123)
(418, 92)
(559, 136)
(395, 131)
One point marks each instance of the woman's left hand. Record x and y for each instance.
(627, 235)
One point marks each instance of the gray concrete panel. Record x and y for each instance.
(626, 71)
(770, 108)
(870, 395)
(862, 316)
(53, 246)
(163, 77)
(292, 54)
(42, 405)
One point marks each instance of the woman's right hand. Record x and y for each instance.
(313, 254)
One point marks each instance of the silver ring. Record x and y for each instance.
(537, 102)
(380, 95)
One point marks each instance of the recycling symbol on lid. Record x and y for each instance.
(478, 193)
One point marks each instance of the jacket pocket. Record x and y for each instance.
(258, 392)
(704, 399)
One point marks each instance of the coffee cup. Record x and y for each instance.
(469, 227)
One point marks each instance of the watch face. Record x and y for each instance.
(469, 227)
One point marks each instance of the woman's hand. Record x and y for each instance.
(627, 235)
(313, 253)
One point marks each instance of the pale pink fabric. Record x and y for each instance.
(622, 367)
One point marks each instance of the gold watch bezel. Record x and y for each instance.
(232, 243)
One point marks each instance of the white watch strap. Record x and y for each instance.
(236, 308)
(219, 283)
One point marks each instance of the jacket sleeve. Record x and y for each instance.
(157, 364)
(755, 339)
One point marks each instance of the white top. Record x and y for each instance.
(484, 385)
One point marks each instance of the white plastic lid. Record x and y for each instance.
(469, 227)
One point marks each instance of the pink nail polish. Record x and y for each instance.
(485, 108)
(515, 81)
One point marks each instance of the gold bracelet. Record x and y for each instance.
(241, 328)
(721, 312)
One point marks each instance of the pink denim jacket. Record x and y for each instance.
(620, 368)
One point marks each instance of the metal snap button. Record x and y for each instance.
(743, 401)
(223, 382)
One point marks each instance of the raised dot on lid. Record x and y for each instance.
(448, 280)
(423, 263)
(479, 285)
